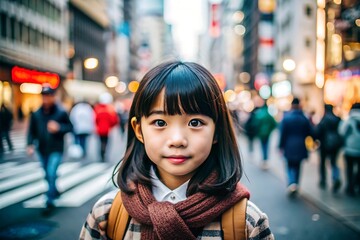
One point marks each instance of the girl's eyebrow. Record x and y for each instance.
(157, 112)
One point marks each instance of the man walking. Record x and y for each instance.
(265, 125)
(294, 128)
(330, 144)
(47, 128)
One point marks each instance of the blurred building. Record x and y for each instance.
(151, 39)
(33, 47)
(89, 34)
(296, 45)
(221, 45)
(341, 52)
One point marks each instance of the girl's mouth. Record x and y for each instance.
(177, 159)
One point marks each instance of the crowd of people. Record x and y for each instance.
(157, 121)
(330, 136)
(51, 122)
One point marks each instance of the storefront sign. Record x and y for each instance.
(23, 75)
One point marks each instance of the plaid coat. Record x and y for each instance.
(257, 224)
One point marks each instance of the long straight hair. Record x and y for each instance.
(189, 89)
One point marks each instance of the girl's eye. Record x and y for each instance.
(195, 123)
(159, 123)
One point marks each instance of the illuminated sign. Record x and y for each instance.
(23, 75)
(215, 20)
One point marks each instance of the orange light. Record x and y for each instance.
(267, 6)
(133, 86)
(220, 79)
(23, 75)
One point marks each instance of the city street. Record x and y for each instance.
(76, 68)
(83, 182)
(290, 218)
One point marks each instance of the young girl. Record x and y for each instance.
(182, 166)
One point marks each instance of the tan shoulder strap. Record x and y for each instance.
(118, 219)
(233, 221)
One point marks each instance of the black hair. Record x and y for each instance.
(328, 107)
(355, 106)
(189, 88)
(295, 101)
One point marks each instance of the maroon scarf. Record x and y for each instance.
(183, 220)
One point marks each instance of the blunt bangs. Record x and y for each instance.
(185, 92)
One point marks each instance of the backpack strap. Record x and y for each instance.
(118, 219)
(233, 221)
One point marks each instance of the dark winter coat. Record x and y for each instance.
(294, 128)
(327, 132)
(6, 118)
(38, 134)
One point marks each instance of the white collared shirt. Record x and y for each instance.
(162, 193)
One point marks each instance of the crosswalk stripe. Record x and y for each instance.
(34, 175)
(18, 140)
(81, 175)
(68, 167)
(12, 171)
(4, 166)
(18, 181)
(28, 191)
(68, 182)
(22, 193)
(79, 195)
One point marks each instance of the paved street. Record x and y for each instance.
(84, 181)
(298, 218)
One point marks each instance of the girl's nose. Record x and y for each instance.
(178, 138)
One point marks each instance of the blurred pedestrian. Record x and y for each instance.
(350, 131)
(6, 120)
(250, 130)
(82, 118)
(123, 115)
(182, 166)
(20, 114)
(265, 124)
(294, 128)
(330, 144)
(124, 118)
(47, 128)
(105, 119)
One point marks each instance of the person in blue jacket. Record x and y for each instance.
(294, 128)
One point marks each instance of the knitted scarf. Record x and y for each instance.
(183, 220)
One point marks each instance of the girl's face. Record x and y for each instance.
(176, 144)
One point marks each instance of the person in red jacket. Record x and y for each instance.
(105, 119)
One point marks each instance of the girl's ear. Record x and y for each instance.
(137, 129)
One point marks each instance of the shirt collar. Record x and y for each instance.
(162, 193)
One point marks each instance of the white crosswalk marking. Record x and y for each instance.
(6, 185)
(18, 139)
(68, 182)
(78, 184)
(78, 196)
(17, 170)
(34, 175)
(4, 166)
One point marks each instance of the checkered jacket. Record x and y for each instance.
(257, 224)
